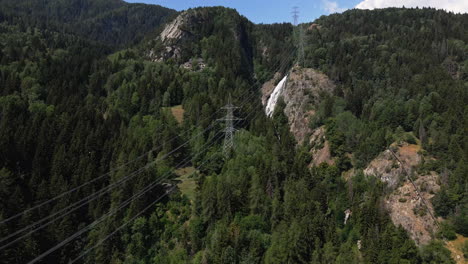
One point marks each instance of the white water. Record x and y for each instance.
(270, 108)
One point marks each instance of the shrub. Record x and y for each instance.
(465, 249)
(435, 252)
(446, 231)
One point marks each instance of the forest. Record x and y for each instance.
(80, 101)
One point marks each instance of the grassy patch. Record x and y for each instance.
(187, 184)
(456, 247)
(178, 113)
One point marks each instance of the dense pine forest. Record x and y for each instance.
(84, 99)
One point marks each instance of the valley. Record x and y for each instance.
(134, 133)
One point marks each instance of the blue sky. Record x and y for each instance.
(264, 11)
(271, 11)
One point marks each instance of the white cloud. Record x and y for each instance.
(332, 7)
(457, 6)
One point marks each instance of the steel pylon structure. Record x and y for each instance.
(229, 129)
(295, 14)
(300, 38)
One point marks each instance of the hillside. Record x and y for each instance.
(127, 100)
(398, 72)
(111, 22)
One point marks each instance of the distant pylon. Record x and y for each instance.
(300, 55)
(229, 129)
(295, 13)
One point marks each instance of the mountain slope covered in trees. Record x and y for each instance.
(399, 71)
(74, 105)
(111, 22)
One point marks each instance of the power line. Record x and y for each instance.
(229, 120)
(281, 65)
(101, 192)
(122, 226)
(227, 144)
(109, 187)
(107, 173)
(301, 56)
(300, 44)
(129, 221)
(88, 199)
(229, 129)
(415, 187)
(112, 212)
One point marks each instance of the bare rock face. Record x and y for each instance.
(409, 207)
(173, 34)
(408, 210)
(389, 170)
(320, 148)
(194, 65)
(174, 29)
(314, 26)
(302, 95)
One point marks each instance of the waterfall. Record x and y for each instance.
(270, 107)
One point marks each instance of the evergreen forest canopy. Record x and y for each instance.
(79, 98)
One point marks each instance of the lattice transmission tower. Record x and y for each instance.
(295, 13)
(300, 38)
(229, 129)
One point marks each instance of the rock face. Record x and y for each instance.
(188, 35)
(174, 34)
(404, 203)
(389, 170)
(302, 93)
(194, 65)
(408, 210)
(174, 29)
(320, 148)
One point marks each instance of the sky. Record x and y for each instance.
(277, 11)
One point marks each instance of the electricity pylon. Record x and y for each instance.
(229, 129)
(295, 13)
(300, 56)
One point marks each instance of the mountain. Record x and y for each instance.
(111, 22)
(362, 158)
(387, 81)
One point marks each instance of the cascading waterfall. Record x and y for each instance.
(270, 107)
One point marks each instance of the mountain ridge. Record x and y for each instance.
(76, 105)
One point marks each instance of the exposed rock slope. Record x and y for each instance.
(193, 34)
(302, 93)
(389, 170)
(408, 210)
(172, 36)
(320, 148)
(405, 204)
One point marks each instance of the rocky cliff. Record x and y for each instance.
(302, 93)
(209, 34)
(172, 36)
(389, 170)
(408, 205)
(320, 148)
